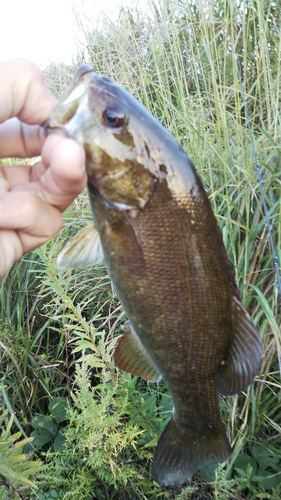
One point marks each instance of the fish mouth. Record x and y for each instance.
(68, 106)
(54, 129)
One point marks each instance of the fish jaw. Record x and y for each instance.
(71, 116)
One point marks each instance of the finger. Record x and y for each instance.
(66, 176)
(10, 250)
(57, 179)
(20, 140)
(16, 174)
(4, 184)
(23, 92)
(34, 223)
(23, 95)
(23, 211)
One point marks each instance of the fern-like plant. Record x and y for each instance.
(17, 472)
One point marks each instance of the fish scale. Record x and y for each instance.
(154, 225)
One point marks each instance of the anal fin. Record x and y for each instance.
(244, 356)
(131, 357)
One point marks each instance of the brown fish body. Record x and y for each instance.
(173, 284)
(165, 257)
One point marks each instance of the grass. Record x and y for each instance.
(178, 59)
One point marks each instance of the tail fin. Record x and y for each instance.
(182, 450)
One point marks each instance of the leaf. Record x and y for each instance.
(243, 462)
(58, 409)
(209, 472)
(265, 457)
(44, 423)
(41, 439)
(59, 441)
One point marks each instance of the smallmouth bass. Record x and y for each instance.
(155, 228)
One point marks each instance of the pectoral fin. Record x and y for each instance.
(84, 250)
(131, 357)
(244, 356)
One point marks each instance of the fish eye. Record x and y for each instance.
(114, 117)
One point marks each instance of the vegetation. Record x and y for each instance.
(94, 427)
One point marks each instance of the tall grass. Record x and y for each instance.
(178, 59)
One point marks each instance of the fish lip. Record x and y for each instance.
(58, 128)
(49, 130)
(81, 71)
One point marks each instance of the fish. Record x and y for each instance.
(156, 231)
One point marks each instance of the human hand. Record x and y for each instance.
(32, 197)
